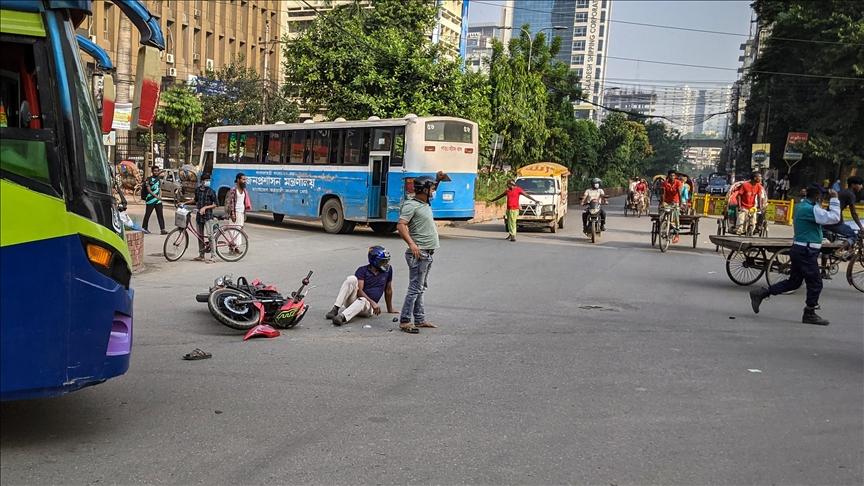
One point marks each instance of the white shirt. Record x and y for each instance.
(240, 204)
(593, 194)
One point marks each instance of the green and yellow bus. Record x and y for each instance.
(65, 270)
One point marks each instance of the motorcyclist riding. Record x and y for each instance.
(594, 193)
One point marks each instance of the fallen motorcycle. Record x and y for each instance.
(243, 305)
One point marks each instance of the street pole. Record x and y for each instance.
(266, 72)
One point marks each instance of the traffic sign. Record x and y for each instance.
(760, 156)
(794, 140)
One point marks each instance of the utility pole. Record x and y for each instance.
(266, 72)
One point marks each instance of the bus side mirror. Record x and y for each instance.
(147, 86)
(109, 94)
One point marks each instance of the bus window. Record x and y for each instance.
(300, 153)
(222, 148)
(398, 147)
(249, 148)
(27, 150)
(382, 139)
(232, 147)
(336, 146)
(285, 141)
(353, 147)
(321, 147)
(274, 147)
(449, 131)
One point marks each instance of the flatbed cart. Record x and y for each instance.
(751, 257)
(689, 226)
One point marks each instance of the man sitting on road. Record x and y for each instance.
(750, 199)
(672, 198)
(361, 292)
(513, 192)
(594, 194)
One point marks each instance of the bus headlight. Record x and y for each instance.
(447, 196)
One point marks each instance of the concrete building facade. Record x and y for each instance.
(479, 44)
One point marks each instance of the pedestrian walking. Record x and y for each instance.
(512, 193)
(783, 187)
(205, 201)
(807, 220)
(750, 200)
(417, 227)
(151, 192)
(237, 202)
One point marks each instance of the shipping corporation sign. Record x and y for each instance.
(591, 50)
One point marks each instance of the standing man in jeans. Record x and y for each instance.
(808, 219)
(205, 201)
(417, 227)
(152, 194)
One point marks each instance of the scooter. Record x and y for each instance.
(243, 305)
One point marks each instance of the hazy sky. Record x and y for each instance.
(655, 44)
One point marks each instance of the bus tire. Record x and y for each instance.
(278, 218)
(383, 228)
(333, 218)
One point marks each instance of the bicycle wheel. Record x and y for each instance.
(745, 267)
(665, 236)
(855, 272)
(175, 244)
(778, 267)
(231, 243)
(654, 231)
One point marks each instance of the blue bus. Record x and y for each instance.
(65, 269)
(346, 172)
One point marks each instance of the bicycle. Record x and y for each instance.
(666, 227)
(229, 242)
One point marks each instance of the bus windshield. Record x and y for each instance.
(537, 185)
(449, 131)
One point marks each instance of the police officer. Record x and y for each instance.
(808, 219)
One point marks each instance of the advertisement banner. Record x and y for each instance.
(122, 116)
(794, 140)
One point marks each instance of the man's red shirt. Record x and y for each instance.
(513, 197)
(747, 194)
(672, 191)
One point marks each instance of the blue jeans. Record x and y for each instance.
(843, 230)
(805, 268)
(418, 275)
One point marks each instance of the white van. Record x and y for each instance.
(547, 183)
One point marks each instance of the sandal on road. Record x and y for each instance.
(409, 328)
(197, 354)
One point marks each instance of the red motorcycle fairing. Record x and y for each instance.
(261, 330)
(261, 311)
(290, 312)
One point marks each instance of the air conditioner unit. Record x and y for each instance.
(92, 38)
(172, 72)
(209, 65)
(196, 56)
(169, 58)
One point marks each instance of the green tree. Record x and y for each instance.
(824, 97)
(357, 62)
(667, 146)
(179, 109)
(624, 151)
(237, 95)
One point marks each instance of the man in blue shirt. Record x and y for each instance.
(808, 219)
(361, 292)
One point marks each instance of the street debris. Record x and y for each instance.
(367, 326)
(197, 354)
(754, 370)
(261, 330)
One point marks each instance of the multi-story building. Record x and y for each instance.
(448, 29)
(583, 26)
(694, 110)
(478, 45)
(631, 100)
(200, 36)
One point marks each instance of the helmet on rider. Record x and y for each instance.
(379, 258)
(422, 183)
(595, 183)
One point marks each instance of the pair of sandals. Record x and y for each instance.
(197, 354)
(415, 329)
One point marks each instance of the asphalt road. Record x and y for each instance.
(556, 361)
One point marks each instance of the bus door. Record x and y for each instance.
(379, 168)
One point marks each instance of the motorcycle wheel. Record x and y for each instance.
(236, 316)
(593, 232)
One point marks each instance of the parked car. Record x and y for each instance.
(718, 185)
(170, 183)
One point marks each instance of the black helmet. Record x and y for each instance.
(423, 182)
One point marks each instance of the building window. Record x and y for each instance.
(578, 46)
(580, 31)
(597, 73)
(578, 72)
(580, 17)
(577, 59)
(600, 45)
(581, 3)
(603, 16)
(599, 59)
(602, 30)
